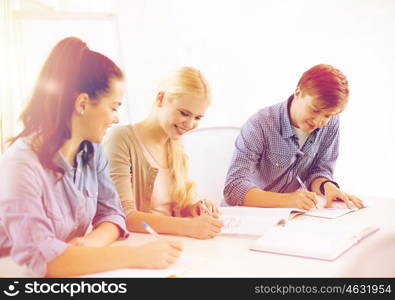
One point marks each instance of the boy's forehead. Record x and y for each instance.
(317, 104)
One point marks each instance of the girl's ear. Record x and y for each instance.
(81, 103)
(160, 99)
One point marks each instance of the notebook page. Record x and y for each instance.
(337, 209)
(252, 220)
(247, 225)
(267, 213)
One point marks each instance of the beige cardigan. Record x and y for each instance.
(130, 171)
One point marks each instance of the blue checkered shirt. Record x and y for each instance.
(268, 157)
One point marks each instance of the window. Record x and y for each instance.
(30, 36)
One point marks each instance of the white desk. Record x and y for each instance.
(229, 256)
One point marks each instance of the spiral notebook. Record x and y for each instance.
(318, 240)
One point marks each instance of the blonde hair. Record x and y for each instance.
(183, 81)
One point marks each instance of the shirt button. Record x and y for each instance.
(276, 164)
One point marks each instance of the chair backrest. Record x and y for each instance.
(210, 151)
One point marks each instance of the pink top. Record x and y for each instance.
(160, 199)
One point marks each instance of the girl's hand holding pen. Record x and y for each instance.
(203, 227)
(204, 207)
(204, 222)
(159, 254)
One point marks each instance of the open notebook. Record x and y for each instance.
(182, 264)
(245, 220)
(337, 209)
(256, 220)
(320, 240)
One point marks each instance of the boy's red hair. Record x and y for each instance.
(326, 83)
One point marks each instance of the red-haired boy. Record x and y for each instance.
(295, 138)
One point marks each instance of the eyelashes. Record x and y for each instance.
(186, 114)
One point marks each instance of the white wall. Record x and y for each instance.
(253, 53)
(30, 29)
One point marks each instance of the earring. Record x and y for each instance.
(81, 112)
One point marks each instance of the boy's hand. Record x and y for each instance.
(303, 199)
(333, 193)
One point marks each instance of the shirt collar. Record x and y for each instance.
(286, 126)
(65, 165)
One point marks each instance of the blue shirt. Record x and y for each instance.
(267, 155)
(38, 215)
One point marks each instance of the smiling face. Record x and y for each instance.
(101, 113)
(181, 113)
(307, 112)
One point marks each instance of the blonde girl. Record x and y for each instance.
(150, 169)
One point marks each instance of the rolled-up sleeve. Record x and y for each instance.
(325, 162)
(24, 219)
(108, 206)
(249, 149)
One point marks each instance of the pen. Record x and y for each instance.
(150, 230)
(303, 186)
(301, 182)
(205, 207)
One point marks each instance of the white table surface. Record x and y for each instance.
(229, 256)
